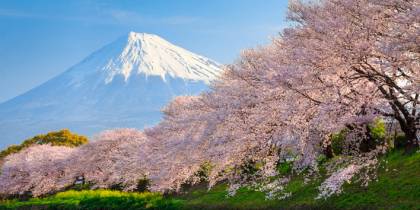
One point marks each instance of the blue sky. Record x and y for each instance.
(40, 39)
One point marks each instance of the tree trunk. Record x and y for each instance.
(412, 143)
(406, 117)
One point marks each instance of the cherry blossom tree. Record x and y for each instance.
(36, 169)
(365, 50)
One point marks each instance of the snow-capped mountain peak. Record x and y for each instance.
(151, 55)
(123, 84)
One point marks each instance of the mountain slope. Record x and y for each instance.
(124, 84)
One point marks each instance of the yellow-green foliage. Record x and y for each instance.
(378, 130)
(204, 172)
(95, 199)
(57, 138)
(10, 150)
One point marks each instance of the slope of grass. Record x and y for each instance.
(216, 198)
(398, 187)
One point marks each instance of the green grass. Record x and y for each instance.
(95, 199)
(216, 198)
(398, 187)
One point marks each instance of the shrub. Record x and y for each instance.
(377, 131)
(250, 167)
(400, 141)
(375, 135)
(368, 137)
(321, 159)
(285, 168)
(200, 177)
(80, 184)
(337, 142)
(143, 185)
(80, 187)
(117, 187)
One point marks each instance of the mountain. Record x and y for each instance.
(124, 84)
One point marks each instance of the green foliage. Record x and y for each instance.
(337, 142)
(58, 138)
(285, 168)
(321, 159)
(97, 199)
(378, 130)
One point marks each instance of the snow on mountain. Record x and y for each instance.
(124, 84)
(151, 55)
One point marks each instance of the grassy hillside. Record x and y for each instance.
(398, 187)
